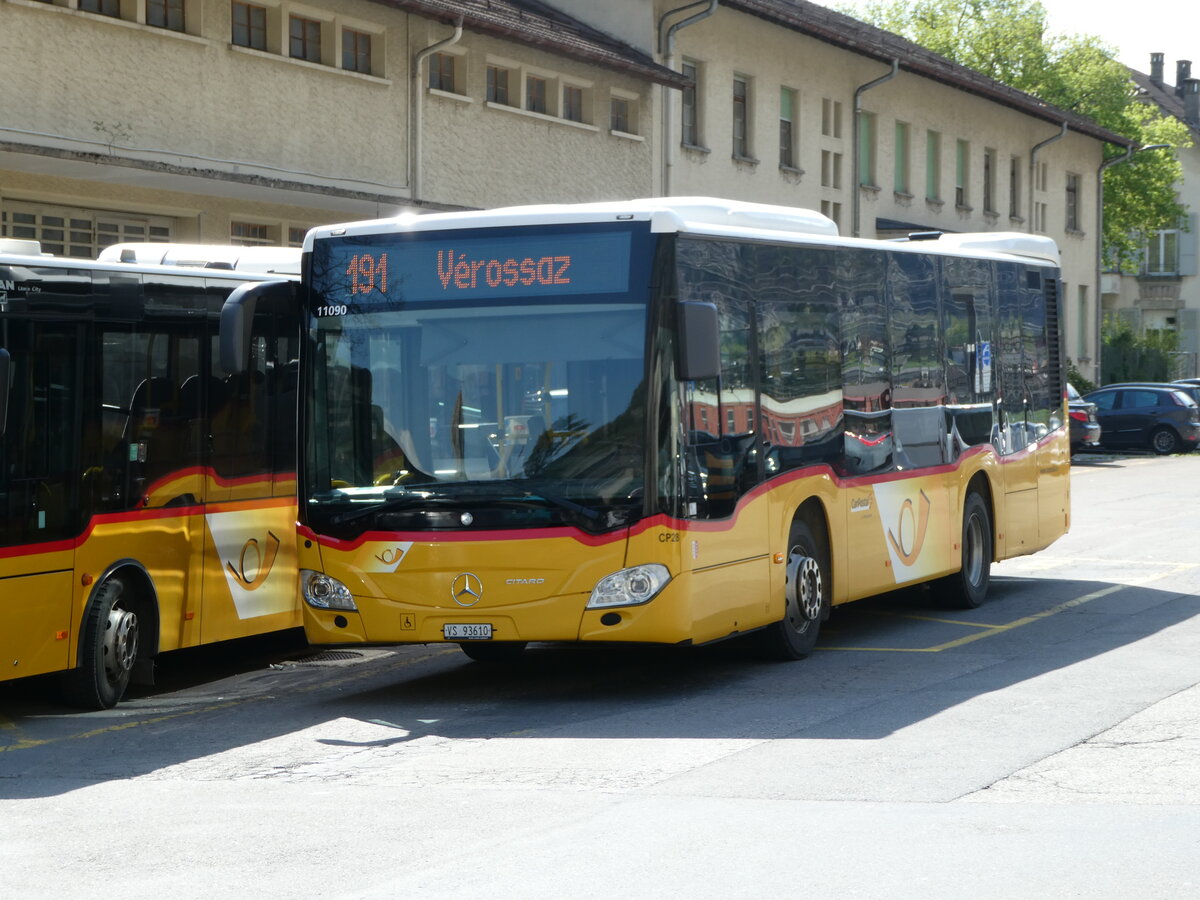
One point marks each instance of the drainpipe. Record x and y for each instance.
(666, 47)
(417, 107)
(1033, 169)
(855, 128)
(1128, 155)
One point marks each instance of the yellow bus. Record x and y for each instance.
(673, 421)
(147, 497)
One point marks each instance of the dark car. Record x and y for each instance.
(1085, 428)
(1160, 417)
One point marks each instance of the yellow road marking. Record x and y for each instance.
(990, 630)
(936, 619)
(27, 743)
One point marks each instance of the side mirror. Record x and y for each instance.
(699, 341)
(237, 319)
(5, 382)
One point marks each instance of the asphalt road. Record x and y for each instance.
(1046, 744)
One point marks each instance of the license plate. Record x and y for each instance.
(460, 631)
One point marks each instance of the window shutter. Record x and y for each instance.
(1187, 247)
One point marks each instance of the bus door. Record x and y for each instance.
(144, 479)
(728, 546)
(39, 494)
(250, 509)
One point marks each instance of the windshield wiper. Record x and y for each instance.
(392, 502)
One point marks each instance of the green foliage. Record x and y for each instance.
(1128, 356)
(1007, 40)
(1075, 377)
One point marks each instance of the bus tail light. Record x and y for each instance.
(323, 592)
(629, 587)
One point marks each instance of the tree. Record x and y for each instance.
(1007, 40)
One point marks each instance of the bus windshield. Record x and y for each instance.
(509, 405)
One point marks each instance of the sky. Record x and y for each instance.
(1136, 28)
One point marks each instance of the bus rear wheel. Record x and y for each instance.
(807, 595)
(967, 588)
(108, 650)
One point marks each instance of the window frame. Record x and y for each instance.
(788, 107)
(901, 176)
(305, 39)
(261, 29)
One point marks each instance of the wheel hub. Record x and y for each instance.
(120, 642)
(804, 588)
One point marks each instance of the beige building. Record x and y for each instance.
(220, 120)
(212, 120)
(1164, 293)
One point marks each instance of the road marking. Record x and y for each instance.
(992, 630)
(23, 743)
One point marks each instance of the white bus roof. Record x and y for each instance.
(699, 215)
(280, 260)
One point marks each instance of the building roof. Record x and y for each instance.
(540, 25)
(858, 37)
(1163, 96)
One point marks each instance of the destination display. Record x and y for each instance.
(360, 274)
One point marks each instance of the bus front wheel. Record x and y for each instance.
(108, 650)
(807, 595)
(967, 588)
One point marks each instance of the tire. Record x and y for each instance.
(806, 603)
(108, 650)
(499, 652)
(1164, 441)
(967, 588)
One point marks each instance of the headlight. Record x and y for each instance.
(629, 587)
(323, 592)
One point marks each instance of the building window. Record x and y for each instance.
(165, 14)
(296, 236)
(690, 133)
(356, 51)
(1072, 202)
(1014, 187)
(989, 180)
(572, 103)
(833, 211)
(901, 176)
(104, 7)
(741, 118)
(249, 234)
(79, 233)
(1039, 218)
(441, 72)
(535, 94)
(305, 39)
(249, 26)
(1082, 325)
(619, 118)
(962, 163)
(933, 165)
(497, 85)
(831, 169)
(831, 118)
(866, 148)
(1162, 253)
(787, 128)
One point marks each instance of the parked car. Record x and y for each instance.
(1195, 381)
(1085, 427)
(1192, 390)
(1161, 417)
